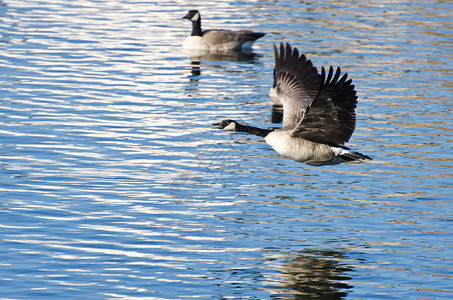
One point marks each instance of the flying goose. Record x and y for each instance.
(218, 39)
(318, 112)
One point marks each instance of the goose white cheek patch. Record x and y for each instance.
(195, 17)
(230, 127)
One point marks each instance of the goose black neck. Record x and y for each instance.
(196, 28)
(253, 130)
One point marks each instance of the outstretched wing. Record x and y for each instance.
(296, 84)
(330, 119)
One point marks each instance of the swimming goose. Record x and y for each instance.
(217, 39)
(318, 112)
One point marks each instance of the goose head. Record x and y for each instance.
(192, 15)
(229, 125)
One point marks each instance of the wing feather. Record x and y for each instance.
(296, 82)
(330, 119)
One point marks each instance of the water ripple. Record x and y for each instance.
(115, 185)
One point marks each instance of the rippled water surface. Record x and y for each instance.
(114, 185)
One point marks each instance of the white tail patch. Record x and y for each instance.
(339, 151)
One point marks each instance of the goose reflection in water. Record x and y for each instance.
(315, 274)
(197, 56)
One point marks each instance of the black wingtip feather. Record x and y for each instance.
(329, 76)
(282, 54)
(337, 75)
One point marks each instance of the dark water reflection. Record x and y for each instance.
(316, 274)
(114, 185)
(198, 56)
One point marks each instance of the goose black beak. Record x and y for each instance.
(186, 17)
(216, 125)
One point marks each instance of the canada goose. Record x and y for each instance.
(217, 39)
(318, 112)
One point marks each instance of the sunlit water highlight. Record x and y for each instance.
(114, 185)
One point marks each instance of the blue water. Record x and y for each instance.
(114, 185)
